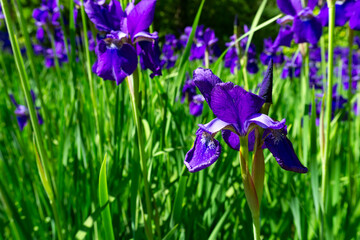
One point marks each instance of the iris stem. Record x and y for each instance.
(133, 84)
(206, 58)
(350, 129)
(249, 187)
(328, 109)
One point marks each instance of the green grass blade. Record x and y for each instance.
(264, 24)
(254, 23)
(219, 225)
(177, 208)
(186, 53)
(103, 199)
(169, 235)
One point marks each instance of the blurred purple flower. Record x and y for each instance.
(292, 67)
(22, 112)
(117, 57)
(271, 52)
(305, 26)
(195, 101)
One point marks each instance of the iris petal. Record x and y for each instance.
(205, 152)
(205, 80)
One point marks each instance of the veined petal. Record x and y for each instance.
(234, 105)
(141, 16)
(206, 151)
(283, 151)
(205, 80)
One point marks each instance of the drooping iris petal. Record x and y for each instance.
(231, 139)
(205, 80)
(141, 16)
(115, 61)
(284, 37)
(307, 28)
(149, 53)
(252, 66)
(283, 151)
(196, 105)
(233, 104)
(290, 7)
(22, 121)
(145, 36)
(206, 151)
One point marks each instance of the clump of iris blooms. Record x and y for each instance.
(306, 27)
(204, 45)
(271, 52)
(168, 50)
(292, 67)
(238, 113)
(47, 22)
(235, 53)
(122, 31)
(338, 102)
(195, 101)
(22, 112)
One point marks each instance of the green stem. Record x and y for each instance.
(206, 58)
(256, 228)
(350, 119)
(90, 77)
(133, 84)
(249, 187)
(328, 110)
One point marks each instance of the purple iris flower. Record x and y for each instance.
(204, 40)
(237, 113)
(292, 67)
(116, 55)
(196, 101)
(22, 112)
(354, 21)
(305, 26)
(171, 44)
(232, 56)
(338, 103)
(343, 10)
(271, 52)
